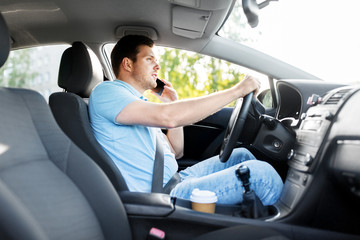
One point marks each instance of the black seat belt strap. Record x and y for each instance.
(158, 172)
(172, 183)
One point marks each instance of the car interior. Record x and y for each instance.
(56, 181)
(51, 189)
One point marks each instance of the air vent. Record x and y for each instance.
(336, 97)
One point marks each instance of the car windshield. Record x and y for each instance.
(320, 37)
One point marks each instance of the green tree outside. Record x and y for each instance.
(17, 70)
(194, 75)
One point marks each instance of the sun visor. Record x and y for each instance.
(189, 22)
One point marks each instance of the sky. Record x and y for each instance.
(319, 36)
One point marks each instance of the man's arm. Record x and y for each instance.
(184, 112)
(176, 140)
(175, 136)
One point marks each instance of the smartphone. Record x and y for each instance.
(159, 87)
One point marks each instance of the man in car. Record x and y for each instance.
(126, 125)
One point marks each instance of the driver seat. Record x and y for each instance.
(80, 71)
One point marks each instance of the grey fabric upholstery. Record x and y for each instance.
(49, 188)
(5, 41)
(80, 71)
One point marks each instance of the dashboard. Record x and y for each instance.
(293, 96)
(324, 164)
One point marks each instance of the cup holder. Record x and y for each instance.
(225, 209)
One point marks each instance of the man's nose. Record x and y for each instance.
(157, 66)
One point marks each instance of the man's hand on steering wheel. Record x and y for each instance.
(250, 86)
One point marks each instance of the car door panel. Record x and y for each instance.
(203, 139)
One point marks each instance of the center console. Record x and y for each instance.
(163, 205)
(310, 138)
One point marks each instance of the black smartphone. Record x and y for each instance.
(159, 87)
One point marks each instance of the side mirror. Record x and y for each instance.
(266, 99)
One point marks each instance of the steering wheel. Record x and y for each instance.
(235, 126)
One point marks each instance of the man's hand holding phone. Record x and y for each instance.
(159, 87)
(165, 91)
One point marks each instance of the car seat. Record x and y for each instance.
(80, 71)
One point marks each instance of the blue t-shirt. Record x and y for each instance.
(131, 147)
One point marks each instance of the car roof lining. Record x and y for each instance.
(66, 21)
(63, 21)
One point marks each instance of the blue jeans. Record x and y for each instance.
(213, 175)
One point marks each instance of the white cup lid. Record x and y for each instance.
(203, 196)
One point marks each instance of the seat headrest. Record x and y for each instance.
(4, 41)
(80, 70)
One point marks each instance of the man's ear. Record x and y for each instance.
(127, 64)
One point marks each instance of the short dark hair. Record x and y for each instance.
(128, 46)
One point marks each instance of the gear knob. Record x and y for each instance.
(243, 173)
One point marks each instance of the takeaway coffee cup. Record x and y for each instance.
(203, 200)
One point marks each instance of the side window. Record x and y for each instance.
(35, 68)
(193, 74)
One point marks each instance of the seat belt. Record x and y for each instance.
(172, 183)
(158, 171)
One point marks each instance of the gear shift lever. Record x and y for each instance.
(251, 206)
(243, 173)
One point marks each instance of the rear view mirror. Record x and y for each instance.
(251, 9)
